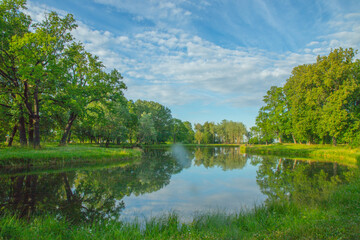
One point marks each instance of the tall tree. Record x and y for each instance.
(83, 81)
(160, 115)
(13, 23)
(36, 56)
(147, 132)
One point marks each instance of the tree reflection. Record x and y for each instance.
(224, 157)
(85, 195)
(297, 181)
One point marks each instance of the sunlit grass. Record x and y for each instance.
(341, 154)
(50, 155)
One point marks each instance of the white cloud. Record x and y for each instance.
(345, 32)
(173, 66)
(153, 10)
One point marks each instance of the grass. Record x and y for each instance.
(55, 155)
(71, 167)
(342, 153)
(336, 216)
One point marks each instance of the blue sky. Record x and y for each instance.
(208, 60)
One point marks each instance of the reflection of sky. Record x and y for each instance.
(198, 189)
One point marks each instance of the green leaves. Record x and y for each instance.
(318, 102)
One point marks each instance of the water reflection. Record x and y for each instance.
(93, 195)
(226, 158)
(298, 181)
(85, 196)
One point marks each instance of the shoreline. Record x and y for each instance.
(341, 154)
(52, 156)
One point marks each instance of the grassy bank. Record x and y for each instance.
(341, 154)
(335, 216)
(56, 155)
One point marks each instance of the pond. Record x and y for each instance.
(182, 180)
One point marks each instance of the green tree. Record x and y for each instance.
(13, 23)
(276, 110)
(36, 55)
(147, 132)
(190, 135)
(160, 115)
(340, 83)
(84, 81)
(264, 127)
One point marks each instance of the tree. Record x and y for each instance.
(340, 83)
(147, 132)
(35, 56)
(319, 101)
(84, 81)
(264, 127)
(276, 110)
(160, 115)
(179, 131)
(14, 23)
(190, 135)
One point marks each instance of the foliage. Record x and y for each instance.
(319, 103)
(228, 132)
(54, 90)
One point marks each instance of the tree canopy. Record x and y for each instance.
(319, 103)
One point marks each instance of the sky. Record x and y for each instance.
(208, 60)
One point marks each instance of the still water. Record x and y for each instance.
(185, 181)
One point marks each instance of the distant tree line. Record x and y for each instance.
(319, 103)
(227, 132)
(51, 89)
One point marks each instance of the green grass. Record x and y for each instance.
(71, 167)
(336, 216)
(342, 154)
(56, 155)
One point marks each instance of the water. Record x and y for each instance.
(185, 181)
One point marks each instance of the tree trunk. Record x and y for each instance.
(22, 129)
(279, 165)
(36, 117)
(31, 131)
(69, 137)
(11, 139)
(334, 141)
(70, 122)
(295, 161)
